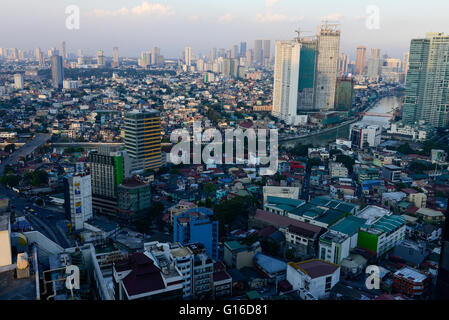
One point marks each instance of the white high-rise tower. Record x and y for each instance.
(188, 56)
(286, 78)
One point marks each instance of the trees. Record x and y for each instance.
(10, 148)
(39, 177)
(347, 161)
(301, 150)
(313, 162)
(10, 180)
(406, 149)
(228, 211)
(418, 167)
(209, 188)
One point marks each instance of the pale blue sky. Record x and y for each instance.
(138, 25)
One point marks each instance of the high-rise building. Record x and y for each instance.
(196, 225)
(249, 57)
(427, 87)
(213, 55)
(145, 59)
(230, 68)
(266, 52)
(143, 139)
(57, 71)
(242, 49)
(344, 95)
(307, 74)
(188, 56)
(78, 199)
(374, 64)
(134, 199)
(115, 60)
(405, 62)
(343, 64)
(108, 167)
(101, 59)
(18, 81)
(258, 52)
(327, 64)
(80, 57)
(53, 52)
(405, 66)
(39, 56)
(286, 77)
(360, 62)
(63, 50)
(235, 53)
(155, 53)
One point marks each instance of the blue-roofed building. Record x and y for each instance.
(275, 270)
(282, 206)
(330, 203)
(196, 225)
(321, 211)
(350, 226)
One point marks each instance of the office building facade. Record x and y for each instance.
(134, 198)
(107, 166)
(360, 62)
(143, 139)
(196, 225)
(258, 52)
(57, 71)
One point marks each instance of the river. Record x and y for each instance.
(385, 106)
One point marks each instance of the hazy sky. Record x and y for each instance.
(138, 25)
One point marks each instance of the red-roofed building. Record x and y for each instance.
(142, 278)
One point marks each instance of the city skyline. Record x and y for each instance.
(108, 24)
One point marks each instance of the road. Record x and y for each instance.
(44, 220)
(38, 140)
(322, 131)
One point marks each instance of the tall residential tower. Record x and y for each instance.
(427, 88)
(327, 64)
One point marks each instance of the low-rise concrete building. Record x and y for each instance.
(315, 276)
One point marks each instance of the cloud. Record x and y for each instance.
(226, 18)
(144, 9)
(275, 17)
(270, 3)
(332, 17)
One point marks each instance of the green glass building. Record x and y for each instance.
(344, 94)
(307, 75)
(107, 167)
